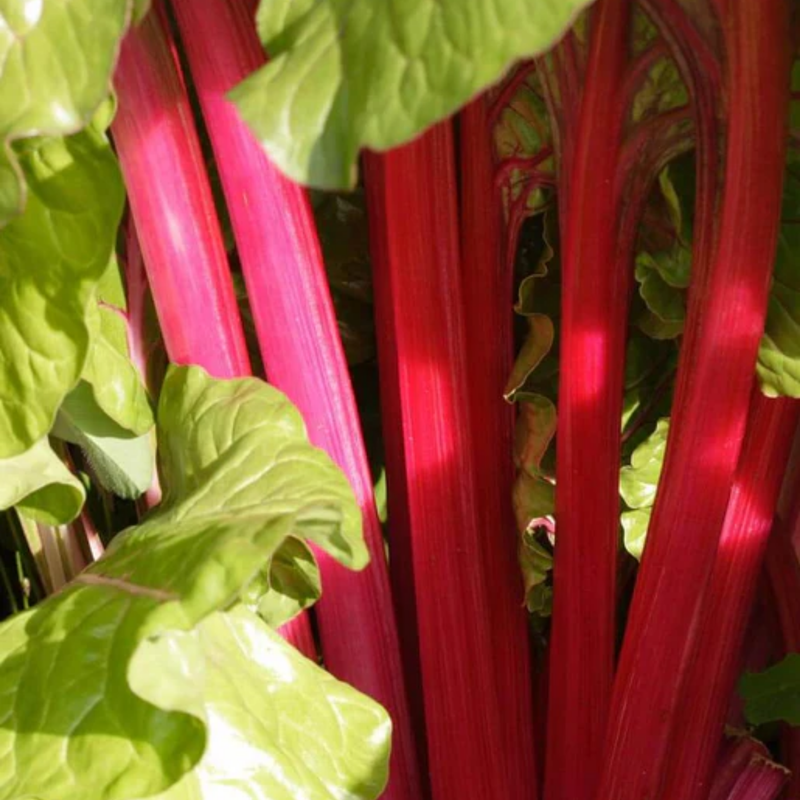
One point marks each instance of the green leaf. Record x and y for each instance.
(774, 694)
(293, 584)
(536, 562)
(534, 507)
(638, 482)
(665, 302)
(278, 725)
(115, 382)
(39, 484)
(57, 57)
(240, 478)
(778, 365)
(348, 74)
(51, 259)
(537, 345)
(535, 429)
(122, 461)
(663, 264)
(211, 433)
(634, 528)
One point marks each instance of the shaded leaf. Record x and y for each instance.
(293, 584)
(774, 694)
(348, 74)
(122, 461)
(115, 382)
(40, 485)
(51, 259)
(778, 365)
(240, 478)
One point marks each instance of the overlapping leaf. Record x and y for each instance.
(278, 725)
(638, 484)
(51, 258)
(348, 74)
(240, 481)
(56, 60)
(41, 486)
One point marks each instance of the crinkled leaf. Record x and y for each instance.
(240, 478)
(57, 57)
(638, 482)
(536, 426)
(664, 302)
(122, 461)
(115, 382)
(779, 354)
(663, 264)
(534, 501)
(212, 433)
(774, 694)
(661, 90)
(536, 562)
(292, 584)
(40, 485)
(634, 528)
(348, 74)
(51, 259)
(650, 367)
(538, 342)
(279, 727)
(534, 507)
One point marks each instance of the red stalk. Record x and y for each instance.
(418, 294)
(744, 772)
(401, 572)
(714, 669)
(596, 284)
(488, 285)
(172, 206)
(303, 356)
(173, 210)
(727, 305)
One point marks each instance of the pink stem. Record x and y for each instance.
(303, 356)
(173, 209)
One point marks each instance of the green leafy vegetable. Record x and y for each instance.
(278, 725)
(122, 461)
(293, 584)
(51, 259)
(774, 694)
(39, 484)
(116, 384)
(57, 59)
(376, 74)
(240, 480)
(637, 485)
(779, 355)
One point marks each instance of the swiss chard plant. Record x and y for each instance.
(399, 399)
